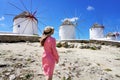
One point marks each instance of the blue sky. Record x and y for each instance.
(52, 12)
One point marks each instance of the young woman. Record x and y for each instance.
(50, 55)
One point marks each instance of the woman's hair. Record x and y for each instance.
(45, 33)
(42, 40)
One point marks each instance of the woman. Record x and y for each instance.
(50, 55)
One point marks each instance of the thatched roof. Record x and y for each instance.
(24, 14)
(67, 22)
(97, 26)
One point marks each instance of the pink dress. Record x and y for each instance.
(50, 56)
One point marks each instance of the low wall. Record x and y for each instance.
(18, 38)
(101, 42)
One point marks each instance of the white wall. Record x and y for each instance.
(111, 38)
(96, 33)
(27, 26)
(67, 32)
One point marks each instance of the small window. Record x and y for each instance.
(18, 26)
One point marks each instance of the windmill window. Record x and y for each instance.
(18, 26)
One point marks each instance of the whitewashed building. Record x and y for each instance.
(96, 31)
(67, 30)
(110, 36)
(25, 23)
(113, 36)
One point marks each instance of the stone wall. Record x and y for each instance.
(18, 38)
(101, 42)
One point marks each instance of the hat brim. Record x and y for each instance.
(48, 33)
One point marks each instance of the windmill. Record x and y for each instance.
(96, 31)
(111, 36)
(26, 22)
(69, 28)
(115, 35)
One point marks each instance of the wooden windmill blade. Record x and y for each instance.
(27, 20)
(117, 29)
(15, 6)
(10, 14)
(18, 23)
(32, 26)
(16, 14)
(39, 17)
(77, 22)
(24, 5)
(31, 6)
(26, 26)
(43, 23)
(80, 33)
(40, 23)
(37, 27)
(78, 30)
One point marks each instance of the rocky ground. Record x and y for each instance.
(22, 61)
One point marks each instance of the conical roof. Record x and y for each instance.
(24, 14)
(67, 22)
(96, 25)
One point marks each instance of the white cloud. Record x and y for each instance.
(2, 18)
(71, 19)
(90, 8)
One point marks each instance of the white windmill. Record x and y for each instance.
(25, 22)
(67, 30)
(96, 31)
(111, 36)
(114, 34)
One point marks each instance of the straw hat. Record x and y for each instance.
(48, 31)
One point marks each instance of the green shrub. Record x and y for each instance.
(28, 76)
(93, 48)
(107, 69)
(58, 45)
